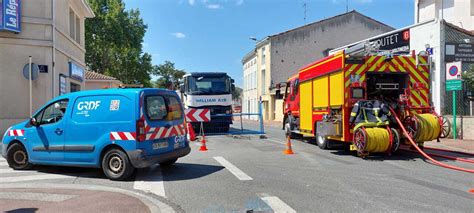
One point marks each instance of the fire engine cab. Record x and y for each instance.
(349, 97)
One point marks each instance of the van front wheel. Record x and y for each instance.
(116, 165)
(17, 157)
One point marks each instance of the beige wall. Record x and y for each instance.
(36, 40)
(268, 102)
(92, 85)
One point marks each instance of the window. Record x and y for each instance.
(52, 113)
(161, 108)
(174, 109)
(78, 30)
(74, 26)
(263, 83)
(263, 55)
(156, 107)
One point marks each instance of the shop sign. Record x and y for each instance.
(76, 72)
(62, 84)
(459, 52)
(395, 42)
(10, 15)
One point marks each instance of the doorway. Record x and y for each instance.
(75, 87)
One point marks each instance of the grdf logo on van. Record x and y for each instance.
(88, 105)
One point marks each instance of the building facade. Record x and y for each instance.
(456, 12)
(280, 56)
(52, 33)
(249, 91)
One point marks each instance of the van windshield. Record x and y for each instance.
(163, 108)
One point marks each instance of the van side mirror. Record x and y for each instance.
(33, 122)
(233, 87)
(181, 88)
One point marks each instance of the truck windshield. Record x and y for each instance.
(209, 85)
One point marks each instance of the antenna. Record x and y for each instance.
(305, 10)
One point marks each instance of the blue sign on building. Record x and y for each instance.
(10, 15)
(76, 71)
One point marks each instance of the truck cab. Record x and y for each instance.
(209, 90)
(291, 105)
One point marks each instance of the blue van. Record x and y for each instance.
(117, 130)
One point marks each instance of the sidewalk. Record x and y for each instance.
(74, 198)
(455, 145)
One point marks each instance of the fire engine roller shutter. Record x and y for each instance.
(336, 89)
(305, 106)
(320, 93)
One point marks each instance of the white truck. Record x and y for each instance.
(211, 90)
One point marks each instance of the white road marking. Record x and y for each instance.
(276, 204)
(150, 180)
(2, 159)
(7, 171)
(276, 141)
(3, 163)
(233, 169)
(33, 177)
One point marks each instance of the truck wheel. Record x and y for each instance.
(17, 157)
(116, 165)
(287, 127)
(168, 162)
(322, 141)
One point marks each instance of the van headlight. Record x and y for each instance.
(228, 111)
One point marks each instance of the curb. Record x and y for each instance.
(153, 204)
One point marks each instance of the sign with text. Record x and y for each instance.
(76, 71)
(459, 52)
(453, 70)
(395, 42)
(453, 85)
(10, 15)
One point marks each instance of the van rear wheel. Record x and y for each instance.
(116, 165)
(17, 157)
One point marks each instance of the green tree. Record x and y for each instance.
(169, 77)
(237, 93)
(114, 43)
(468, 78)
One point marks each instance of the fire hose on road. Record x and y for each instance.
(413, 143)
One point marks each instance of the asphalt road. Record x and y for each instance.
(247, 173)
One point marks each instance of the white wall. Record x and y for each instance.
(457, 12)
(250, 87)
(430, 33)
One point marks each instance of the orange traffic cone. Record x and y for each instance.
(203, 147)
(191, 133)
(288, 150)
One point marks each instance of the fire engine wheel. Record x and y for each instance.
(445, 128)
(116, 165)
(412, 125)
(17, 157)
(322, 141)
(396, 140)
(360, 139)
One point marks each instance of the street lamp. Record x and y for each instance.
(253, 39)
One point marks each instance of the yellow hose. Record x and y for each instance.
(429, 127)
(378, 140)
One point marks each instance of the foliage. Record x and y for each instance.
(237, 93)
(114, 43)
(169, 77)
(468, 78)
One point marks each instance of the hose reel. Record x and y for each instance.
(424, 127)
(376, 140)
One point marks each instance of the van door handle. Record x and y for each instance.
(58, 131)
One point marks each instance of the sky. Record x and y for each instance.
(213, 35)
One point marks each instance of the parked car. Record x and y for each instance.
(117, 130)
